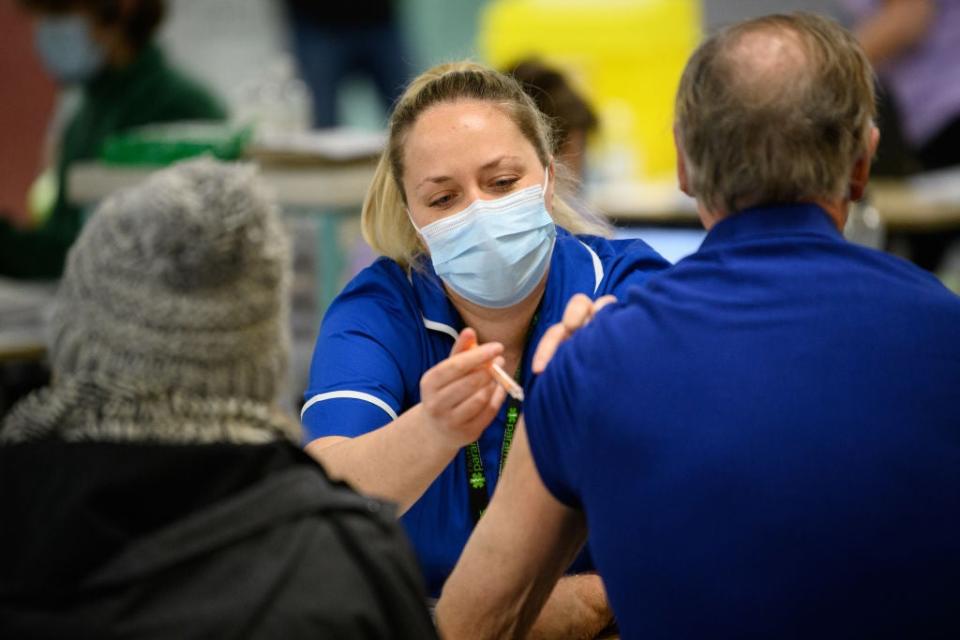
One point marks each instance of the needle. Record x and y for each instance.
(508, 383)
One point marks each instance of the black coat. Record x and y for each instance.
(159, 541)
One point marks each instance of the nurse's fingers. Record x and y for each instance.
(577, 313)
(601, 302)
(580, 310)
(551, 339)
(465, 341)
(443, 398)
(474, 414)
(496, 400)
(462, 363)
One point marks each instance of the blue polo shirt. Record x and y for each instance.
(389, 327)
(765, 439)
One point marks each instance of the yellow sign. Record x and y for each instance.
(625, 56)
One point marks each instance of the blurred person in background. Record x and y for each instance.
(334, 41)
(478, 248)
(155, 490)
(106, 49)
(790, 468)
(914, 46)
(570, 114)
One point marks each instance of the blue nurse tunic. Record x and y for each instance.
(389, 326)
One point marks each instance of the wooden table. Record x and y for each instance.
(924, 203)
(16, 345)
(322, 188)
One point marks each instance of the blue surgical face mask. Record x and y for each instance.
(494, 252)
(67, 48)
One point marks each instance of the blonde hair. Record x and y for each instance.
(384, 221)
(787, 133)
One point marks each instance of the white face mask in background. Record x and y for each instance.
(494, 252)
(67, 48)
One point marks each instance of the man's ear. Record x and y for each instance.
(682, 178)
(861, 168)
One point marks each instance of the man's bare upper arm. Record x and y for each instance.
(521, 546)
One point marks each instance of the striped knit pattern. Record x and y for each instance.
(78, 410)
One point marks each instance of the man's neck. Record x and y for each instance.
(836, 209)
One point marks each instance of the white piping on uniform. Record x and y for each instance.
(597, 267)
(439, 326)
(356, 395)
(433, 324)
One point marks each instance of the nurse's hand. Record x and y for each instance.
(459, 397)
(579, 312)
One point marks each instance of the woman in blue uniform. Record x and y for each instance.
(477, 248)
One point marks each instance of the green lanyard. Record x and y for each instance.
(476, 480)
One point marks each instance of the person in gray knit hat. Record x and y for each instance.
(154, 489)
(170, 323)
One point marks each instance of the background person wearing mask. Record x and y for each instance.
(791, 466)
(477, 247)
(106, 48)
(155, 490)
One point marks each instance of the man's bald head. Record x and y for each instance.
(776, 109)
(764, 63)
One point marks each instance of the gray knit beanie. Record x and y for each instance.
(182, 282)
(176, 293)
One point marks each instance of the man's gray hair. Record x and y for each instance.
(775, 109)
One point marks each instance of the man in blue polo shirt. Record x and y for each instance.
(791, 465)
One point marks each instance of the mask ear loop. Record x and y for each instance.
(546, 184)
(423, 241)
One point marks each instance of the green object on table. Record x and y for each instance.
(164, 144)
